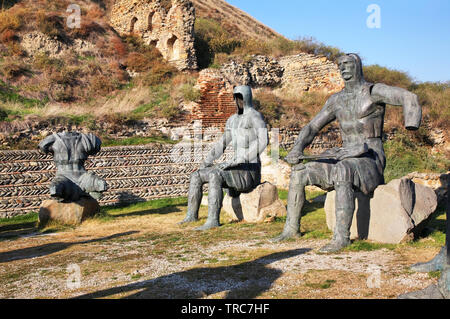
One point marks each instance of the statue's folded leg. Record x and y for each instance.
(92, 184)
(63, 188)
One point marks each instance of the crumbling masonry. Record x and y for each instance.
(167, 24)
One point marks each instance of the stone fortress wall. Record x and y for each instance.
(133, 174)
(167, 24)
(307, 72)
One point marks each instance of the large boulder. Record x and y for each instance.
(396, 213)
(73, 213)
(257, 206)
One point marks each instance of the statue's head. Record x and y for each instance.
(243, 98)
(350, 66)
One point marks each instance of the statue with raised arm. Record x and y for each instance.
(70, 150)
(359, 165)
(247, 132)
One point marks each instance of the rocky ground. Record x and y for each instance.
(141, 252)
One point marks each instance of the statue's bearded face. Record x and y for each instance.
(347, 66)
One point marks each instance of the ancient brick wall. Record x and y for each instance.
(216, 102)
(308, 72)
(167, 24)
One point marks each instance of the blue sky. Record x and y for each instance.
(414, 36)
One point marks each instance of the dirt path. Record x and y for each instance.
(150, 256)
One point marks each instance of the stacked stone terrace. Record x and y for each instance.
(308, 72)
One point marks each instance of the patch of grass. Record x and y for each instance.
(108, 213)
(322, 285)
(362, 245)
(405, 156)
(434, 274)
(137, 140)
(21, 219)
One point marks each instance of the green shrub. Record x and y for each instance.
(404, 156)
(379, 74)
(3, 115)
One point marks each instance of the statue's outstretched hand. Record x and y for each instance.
(293, 157)
(205, 165)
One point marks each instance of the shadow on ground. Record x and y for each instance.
(47, 249)
(13, 231)
(246, 280)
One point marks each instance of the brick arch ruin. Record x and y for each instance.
(168, 25)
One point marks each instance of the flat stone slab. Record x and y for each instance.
(396, 213)
(262, 204)
(73, 213)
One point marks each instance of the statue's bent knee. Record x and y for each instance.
(298, 178)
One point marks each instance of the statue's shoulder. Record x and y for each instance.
(230, 120)
(333, 101)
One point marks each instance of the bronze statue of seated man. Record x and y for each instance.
(359, 165)
(247, 132)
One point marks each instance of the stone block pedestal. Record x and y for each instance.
(73, 213)
(258, 206)
(396, 213)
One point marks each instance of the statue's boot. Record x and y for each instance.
(194, 199)
(436, 264)
(345, 207)
(215, 200)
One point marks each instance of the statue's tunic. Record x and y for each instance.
(245, 176)
(70, 151)
(360, 116)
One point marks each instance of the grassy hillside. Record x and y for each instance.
(120, 79)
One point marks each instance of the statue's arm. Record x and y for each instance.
(307, 134)
(46, 143)
(412, 111)
(91, 143)
(220, 147)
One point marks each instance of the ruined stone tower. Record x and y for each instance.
(167, 24)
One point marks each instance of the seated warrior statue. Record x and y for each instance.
(247, 132)
(359, 165)
(70, 150)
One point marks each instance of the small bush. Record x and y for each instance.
(102, 85)
(12, 70)
(3, 115)
(117, 47)
(139, 62)
(190, 93)
(10, 20)
(269, 105)
(51, 25)
(8, 36)
(86, 29)
(159, 73)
